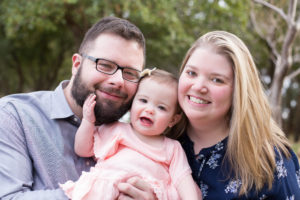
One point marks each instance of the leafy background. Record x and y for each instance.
(38, 38)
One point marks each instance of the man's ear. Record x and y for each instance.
(76, 63)
(175, 120)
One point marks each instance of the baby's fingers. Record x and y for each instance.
(91, 98)
(88, 108)
(90, 101)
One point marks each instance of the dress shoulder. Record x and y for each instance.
(107, 139)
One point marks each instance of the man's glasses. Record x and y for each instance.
(109, 67)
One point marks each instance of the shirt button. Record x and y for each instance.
(87, 163)
(75, 119)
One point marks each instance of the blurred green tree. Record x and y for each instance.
(38, 37)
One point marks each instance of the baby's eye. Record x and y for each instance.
(143, 100)
(162, 108)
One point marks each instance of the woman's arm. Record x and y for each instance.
(84, 139)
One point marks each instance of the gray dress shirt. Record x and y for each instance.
(37, 145)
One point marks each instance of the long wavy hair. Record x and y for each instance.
(253, 133)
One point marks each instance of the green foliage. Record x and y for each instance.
(30, 16)
(34, 45)
(38, 37)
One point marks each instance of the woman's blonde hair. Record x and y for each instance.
(253, 133)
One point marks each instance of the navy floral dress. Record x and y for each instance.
(214, 182)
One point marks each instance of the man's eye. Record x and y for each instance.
(131, 74)
(105, 67)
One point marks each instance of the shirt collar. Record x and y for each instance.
(188, 145)
(59, 107)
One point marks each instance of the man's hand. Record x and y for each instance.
(136, 188)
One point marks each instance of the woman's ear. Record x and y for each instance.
(175, 120)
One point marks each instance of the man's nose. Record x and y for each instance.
(117, 78)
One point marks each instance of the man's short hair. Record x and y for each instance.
(116, 26)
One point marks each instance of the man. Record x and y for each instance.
(37, 129)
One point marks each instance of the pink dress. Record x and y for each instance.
(121, 155)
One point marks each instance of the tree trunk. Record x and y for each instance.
(283, 64)
(283, 61)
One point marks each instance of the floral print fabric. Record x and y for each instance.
(211, 174)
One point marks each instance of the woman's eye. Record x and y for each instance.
(191, 73)
(217, 80)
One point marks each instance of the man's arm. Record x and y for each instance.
(57, 194)
(16, 168)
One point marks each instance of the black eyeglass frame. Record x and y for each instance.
(118, 67)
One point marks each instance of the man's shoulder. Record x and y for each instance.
(25, 100)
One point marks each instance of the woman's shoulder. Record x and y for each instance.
(291, 157)
(287, 174)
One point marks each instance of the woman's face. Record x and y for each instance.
(206, 86)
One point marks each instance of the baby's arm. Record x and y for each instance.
(84, 138)
(188, 190)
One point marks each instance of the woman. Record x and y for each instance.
(233, 145)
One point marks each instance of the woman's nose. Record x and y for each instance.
(201, 85)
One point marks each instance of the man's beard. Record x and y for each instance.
(106, 111)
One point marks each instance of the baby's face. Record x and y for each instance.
(153, 107)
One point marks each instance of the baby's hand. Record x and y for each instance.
(88, 108)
